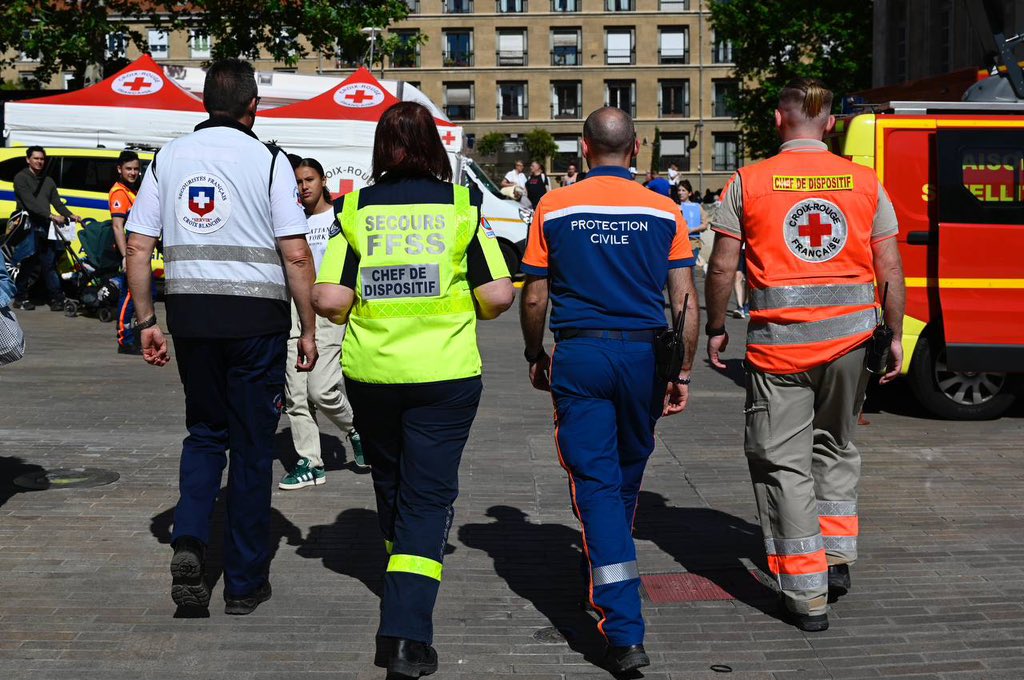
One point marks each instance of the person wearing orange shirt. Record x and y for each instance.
(602, 251)
(819, 232)
(122, 198)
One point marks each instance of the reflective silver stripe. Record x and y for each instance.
(837, 508)
(803, 581)
(841, 543)
(840, 295)
(252, 254)
(260, 289)
(793, 546)
(614, 573)
(811, 331)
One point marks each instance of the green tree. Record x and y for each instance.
(491, 143)
(539, 145)
(775, 41)
(656, 151)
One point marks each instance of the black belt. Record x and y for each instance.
(563, 334)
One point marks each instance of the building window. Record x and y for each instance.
(458, 48)
(28, 57)
(674, 46)
(567, 99)
(568, 152)
(619, 46)
(407, 52)
(458, 101)
(458, 6)
(675, 5)
(674, 98)
(622, 95)
(565, 47)
(726, 153)
(675, 149)
(512, 48)
(159, 44)
(199, 44)
(512, 6)
(725, 97)
(414, 6)
(722, 52)
(619, 5)
(512, 103)
(565, 5)
(117, 45)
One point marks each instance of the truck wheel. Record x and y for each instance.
(956, 395)
(508, 251)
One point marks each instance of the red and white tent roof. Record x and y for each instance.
(140, 85)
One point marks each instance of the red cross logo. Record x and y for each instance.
(448, 138)
(137, 84)
(815, 229)
(357, 97)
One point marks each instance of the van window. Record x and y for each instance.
(82, 173)
(12, 166)
(981, 176)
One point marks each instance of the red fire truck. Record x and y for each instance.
(955, 173)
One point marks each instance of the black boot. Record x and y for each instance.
(410, 659)
(188, 573)
(809, 623)
(838, 581)
(625, 659)
(240, 606)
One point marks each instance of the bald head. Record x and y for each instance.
(609, 134)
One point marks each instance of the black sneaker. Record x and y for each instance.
(410, 659)
(247, 603)
(625, 659)
(809, 623)
(56, 305)
(24, 304)
(838, 581)
(188, 573)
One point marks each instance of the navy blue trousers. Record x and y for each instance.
(413, 437)
(233, 398)
(607, 401)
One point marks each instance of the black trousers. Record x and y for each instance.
(413, 437)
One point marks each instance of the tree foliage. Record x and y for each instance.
(491, 143)
(539, 145)
(70, 36)
(775, 41)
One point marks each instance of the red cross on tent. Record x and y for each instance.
(326, 107)
(169, 96)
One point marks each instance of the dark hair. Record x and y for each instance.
(295, 159)
(127, 156)
(685, 183)
(34, 149)
(314, 165)
(609, 131)
(230, 86)
(407, 144)
(808, 95)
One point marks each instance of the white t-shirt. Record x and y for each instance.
(319, 227)
(673, 176)
(516, 178)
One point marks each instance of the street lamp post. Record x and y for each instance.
(372, 32)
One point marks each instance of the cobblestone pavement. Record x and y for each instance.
(84, 586)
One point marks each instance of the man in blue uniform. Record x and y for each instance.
(602, 251)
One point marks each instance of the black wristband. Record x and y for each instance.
(712, 332)
(680, 381)
(534, 358)
(148, 323)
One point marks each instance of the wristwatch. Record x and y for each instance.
(534, 358)
(712, 332)
(148, 323)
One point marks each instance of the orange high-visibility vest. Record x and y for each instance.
(807, 223)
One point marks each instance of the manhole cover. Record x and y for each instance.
(67, 478)
(549, 635)
(705, 586)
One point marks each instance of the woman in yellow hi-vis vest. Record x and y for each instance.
(411, 266)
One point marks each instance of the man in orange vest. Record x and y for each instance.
(819, 232)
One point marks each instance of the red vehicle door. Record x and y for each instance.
(981, 247)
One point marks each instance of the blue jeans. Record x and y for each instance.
(234, 393)
(43, 264)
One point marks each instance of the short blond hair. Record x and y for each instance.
(809, 96)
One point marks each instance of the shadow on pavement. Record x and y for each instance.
(710, 543)
(733, 371)
(12, 467)
(352, 546)
(280, 527)
(546, 573)
(332, 450)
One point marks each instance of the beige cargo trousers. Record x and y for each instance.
(805, 470)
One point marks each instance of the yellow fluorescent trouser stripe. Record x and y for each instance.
(389, 546)
(923, 282)
(414, 564)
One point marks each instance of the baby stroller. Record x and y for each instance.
(88, 273)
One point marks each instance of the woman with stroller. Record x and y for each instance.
(122, 198)
(319, 389)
